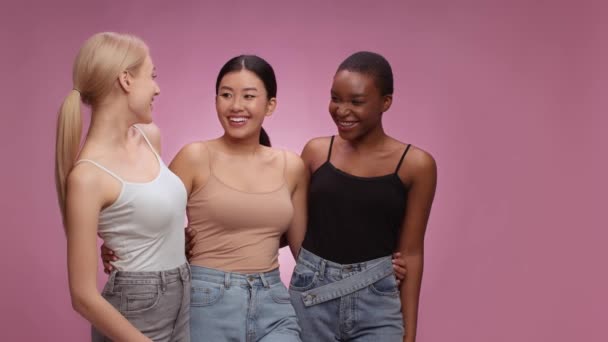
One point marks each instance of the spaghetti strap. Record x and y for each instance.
(101, 167)
(147, 141)
(211, 156)
(331, 144)
(284, 165)
(402, 156)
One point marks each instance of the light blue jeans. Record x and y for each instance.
(355, 302)
(240, 307)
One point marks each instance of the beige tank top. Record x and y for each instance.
(237, 230)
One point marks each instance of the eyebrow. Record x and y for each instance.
(244, 89)
(351, 95)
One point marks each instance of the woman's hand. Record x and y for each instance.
(107, 256)
(190, 235)
(399, 267)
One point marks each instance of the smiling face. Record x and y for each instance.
(242, 104)
(143, 90)
(356, 104)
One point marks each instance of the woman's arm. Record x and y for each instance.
(84, 201)
(297, 174)
(191, 165)
(422, 175)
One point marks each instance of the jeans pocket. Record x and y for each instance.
(303, 278)
(107, 288)
(386, 286)
(113, 298)
(205, 293)
(279, 294)
(138, 299)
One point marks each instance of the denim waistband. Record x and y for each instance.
(150, 278)
(316, 263)
(228, 279)
(357, 276)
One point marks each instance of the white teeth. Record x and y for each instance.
(346, 123)
(237, 119)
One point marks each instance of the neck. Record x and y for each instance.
(245, 146)
(372, 140)
(110, 125)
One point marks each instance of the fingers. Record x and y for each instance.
(189, 245)
(189, 255)
(399, 266)
(107, 256)
(190, 234)
(107, 267)
(400, 272)
(189, 252)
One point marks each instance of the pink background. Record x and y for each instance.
(507, 95)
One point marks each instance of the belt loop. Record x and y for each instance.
(163, 282)
(227, 279)
(112, 280)
(322, 269)
(264, 280)
(184, 272)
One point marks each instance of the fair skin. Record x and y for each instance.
(114, 143)
(242, 104)
(242, 96)
(363, 149)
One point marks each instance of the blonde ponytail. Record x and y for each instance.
(67, 145)
(96, 69)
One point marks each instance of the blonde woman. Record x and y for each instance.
(118, 186)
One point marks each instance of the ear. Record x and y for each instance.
(387, 101)
(125, 81)
(271, 106)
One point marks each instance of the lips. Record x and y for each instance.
(346, 124)
(237, 121)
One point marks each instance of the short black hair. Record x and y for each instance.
(373, 64)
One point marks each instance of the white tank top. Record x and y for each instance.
(145, 225)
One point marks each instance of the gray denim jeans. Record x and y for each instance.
(156, 303)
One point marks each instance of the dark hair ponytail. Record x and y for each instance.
(261, 69)
(264, 138)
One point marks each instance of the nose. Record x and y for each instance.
(236, 105)
(342, 111)
(156, 90)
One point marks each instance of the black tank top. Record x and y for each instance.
(353, 219)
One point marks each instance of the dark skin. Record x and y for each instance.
(363, 149)
(108, 255)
